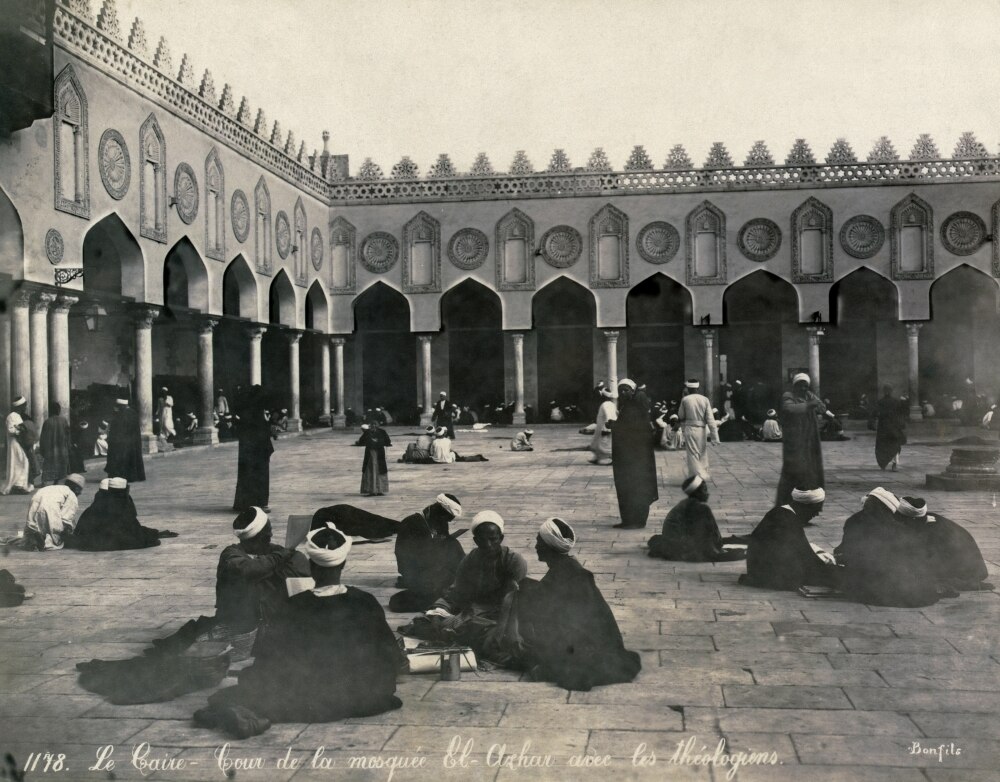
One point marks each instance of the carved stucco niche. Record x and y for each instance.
(422, 255)
(515, 248)
(263, 227)
(812, 242)
(152, 181)
(705, 245)
(71, 147)
(300, 243)
(911, 239)
(215, 207)
(343, 256)
(609, 248)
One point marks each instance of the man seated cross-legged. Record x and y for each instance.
(690, 533)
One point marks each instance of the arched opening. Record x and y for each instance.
(274, 348)
(563, 313)
(311, 374)
(316, 308)
(863, 307)
(232, 344)
(239, 290)
(185, 279)
(11, 237)
(960, 340)
(112, 260)
(281, 301)
(657, 309)
(473, 324)
(761, 337)
(388, 350)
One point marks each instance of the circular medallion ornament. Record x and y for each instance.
(186, 193)
(379, 252)
(116, 168)
(862, 236)
(282, 234)
(468, 248)
(54, 246)
(316, 248)
(658, 242)
(963, 233)
(239, 211)
(561, 246)
(759, 239)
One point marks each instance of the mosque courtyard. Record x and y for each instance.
(816, 689)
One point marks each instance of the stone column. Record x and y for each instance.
(256, 333)
(815, 332)
(339, 416)
(425, 356)
(708, 364)
(518, 339)
(294, 410)
(59, 352)
(611, 347)
(324, 370)
(913, 340)
(20, 347)
(144, 317)
(206, 433)
(40, 356)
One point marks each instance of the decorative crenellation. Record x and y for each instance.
(405, 169)
(301, 157)
(162, 58)
(207, 89)
(137, 39)
(800, 154)
(442, 168)
(521, 165)
(226, 105)
(481, 166)
(841, 153)
(718, 157)
(924, 148)
(559, 162)
(639, 160)
(677, 159)
(969, 147)
(185, 75)
(243, 113)
(883, 151)
(369, 171)
(107, 20)
(759, 155)
(290, 143)
(598, 162)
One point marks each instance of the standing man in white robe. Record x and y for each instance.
(18, 466)
(600, 443)
(699, 427)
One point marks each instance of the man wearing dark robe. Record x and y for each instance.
(54, 445)
(125, 445)
(690, 533)
(374, 469)
(883, 562)
(568, 631)
(79, 446)
(427, 555)
(739, 400)
(111, 523)
(780, 556)
(802, 458)
(956, 562)
(441, 414)
(890, 433)
(253, 461)
(330, 656)
(633, 460)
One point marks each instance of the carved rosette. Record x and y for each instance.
(239, 213)
(282, 234)
(54, 246)
(658, 242)
(186, 193)
(759, 239)
(862, 236)
(316, 249)
(468, 249)
(962, 233)
(115, 164)
(379, 252)
(562, 246)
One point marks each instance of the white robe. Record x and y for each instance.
(441, 451)
(600, 443)
(167, 416)
(698, 425)
(17, 460)
(52, 513)
(771, 430)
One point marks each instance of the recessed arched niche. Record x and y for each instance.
(152, 181)
(515, 248)
(215, 207)
(812, 242)
(422, 255)
(911, 239)
(70, 145)
(609, 248)
(343, 256)
(705, 245)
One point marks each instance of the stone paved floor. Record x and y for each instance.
(838, 691)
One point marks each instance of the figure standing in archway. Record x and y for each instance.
(802, 458)
(125, 445)
(890, 434)
(253, 470)
(632, 459)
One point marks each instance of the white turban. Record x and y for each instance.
(912, 507)
(692, 384)
(886, 497)
(429, 429)
(607, 393)
(626, 382)
(123, 402)
(324, 556)
(772, 413)
(553, 537)
(103, 485)
(449, 505)
(800, 376)
(487, 517)
(255, 527)
(76, 478)
(810, 497)
(19, 401)
(442, 431)
(117, 483)
(365, 427)
(692, 486)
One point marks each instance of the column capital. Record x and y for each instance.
(41, 302)
(707, 333)
(293, 337)
(611, 336)
(144, 316)
(425, 338)
(256, 332)
(22, 299)
(338, 341)
(815, 332)
(517, 337)
(207, 325)
(913, 327)
(64, 303)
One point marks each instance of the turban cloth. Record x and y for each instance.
(19, 401)
(626, 382)
(450, 505)
(810, 497)
(884, 496)
(801, 376)
(772, 413)
(550, 533)
(692, 384)
(76, 478)
(121, 402)
(607, 393)
(442, 431)
(327, 557)
(255, 527)
(912, 507)
(117, 483)
(487, 517)
(691, 484)
(104, 484)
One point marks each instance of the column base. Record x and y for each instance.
(519, 419)
(916, 413)
(339, 421)
(206, 435)
(325, 420)
(149, 444)
(294, 425)
(425, 419)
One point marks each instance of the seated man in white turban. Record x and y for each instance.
(771, 431)
(690, 532)
(441, 452)
(52, 514)
(779, 554)
(427, 555)
(330, 656)
(522, 441)
(419, 452)
(476, 607)
(568, 632)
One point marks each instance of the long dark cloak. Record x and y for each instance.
(253, 460)
(427, 560)
(802, 456)
(632, 457)
(570, 634)
(111, 524)
(375, 442)
(54, 445)
(955, 557)
(779, 555)
(355, 521)
(125, 447)
(690, 534)
(890, 434)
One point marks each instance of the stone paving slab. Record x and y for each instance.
(835, 690)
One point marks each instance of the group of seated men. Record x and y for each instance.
(434, 446)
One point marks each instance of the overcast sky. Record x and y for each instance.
(390, 78)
